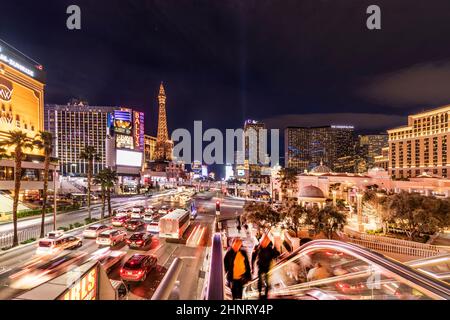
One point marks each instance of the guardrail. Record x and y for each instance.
(167, 284)
(6, 239)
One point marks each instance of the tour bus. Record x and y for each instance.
(174, 224)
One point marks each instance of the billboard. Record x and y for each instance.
(123, 121)
(138, 130)
(128, 158)
(85, 288)
(124, 142)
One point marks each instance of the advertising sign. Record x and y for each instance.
(84, 288)
(123, 121)
(129, 158)
(124, 142)
(138, 130)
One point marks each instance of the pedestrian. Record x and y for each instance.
(264, 254)
(237, 268)
(319, 272)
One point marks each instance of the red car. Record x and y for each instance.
(120, 221)
(138, 267)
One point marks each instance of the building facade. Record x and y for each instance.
(149, 148)
(371, 145)
(75, 126)
(422, 146)
(22, 83)
(256, 159)
(306, 148)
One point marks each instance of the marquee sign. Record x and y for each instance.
(84, 288)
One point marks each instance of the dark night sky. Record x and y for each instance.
(309, 62)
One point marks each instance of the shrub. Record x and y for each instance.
(28, 241)
(78, 224)
(63, 229)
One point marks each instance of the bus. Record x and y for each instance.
(174, 224)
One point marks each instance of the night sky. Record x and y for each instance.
(309, 62)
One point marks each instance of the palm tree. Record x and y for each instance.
(99, 179)
(19, 141)
(90, 155)
(110, 181)
(106, 179)
(44, 141)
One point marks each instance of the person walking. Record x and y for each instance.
(237, 268)
(263, 255)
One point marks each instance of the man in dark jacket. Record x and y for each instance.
(237, 268)
(264, 254)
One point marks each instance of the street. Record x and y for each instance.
(192, 249)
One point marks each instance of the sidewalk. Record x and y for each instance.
(231, 231)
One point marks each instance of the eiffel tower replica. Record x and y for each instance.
(164, 146)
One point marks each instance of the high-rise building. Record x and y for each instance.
(255, 158)
(307, 147)
(382, 160)
(77, 125)
(422, 146)
(371, 145)
(21, 109)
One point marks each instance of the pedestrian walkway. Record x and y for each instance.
(248, 240)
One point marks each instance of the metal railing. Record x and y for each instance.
(6, 239)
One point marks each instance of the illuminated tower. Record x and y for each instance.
(163, 150)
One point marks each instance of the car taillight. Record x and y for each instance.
(139, 241)
(139, 272)
(128, 241)
(121, 270)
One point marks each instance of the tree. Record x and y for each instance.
(261, 215)
(293, 215)
(90, 155)
(414, 213)
(110, 181)
(328, 220)
(287, 177)
(99, 179)
(19, 141)
(44, 141)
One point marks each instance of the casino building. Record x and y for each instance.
(117, 133)
(22, 82)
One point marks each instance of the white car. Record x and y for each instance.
(136, 215)
(111, 237)
(163, 210)
(55, 234)
(94, 230)
(153, 227)
(148, 217)
(53, 246)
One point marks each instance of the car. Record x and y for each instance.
(149, 209)
(111, 237)
(138, 267)
(94, 230)
(139, 240)
(148, 217)
(111, 259)
(163, 210)
(52, 246)
(138, 209)
(136, 215)
(119, 221)
(122, 213)
(153, 227)
(134, 224)
(55, 234)
(45, 270)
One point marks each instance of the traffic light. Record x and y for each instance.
(217, 206)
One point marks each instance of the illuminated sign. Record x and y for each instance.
(125, 142)
(84, 288)
(241, 172)
(122, 121)
(138, 130)
(343, 127)
(5, 93)
(13, 63)
(128, 158)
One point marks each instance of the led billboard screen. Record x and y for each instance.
(129, 158)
